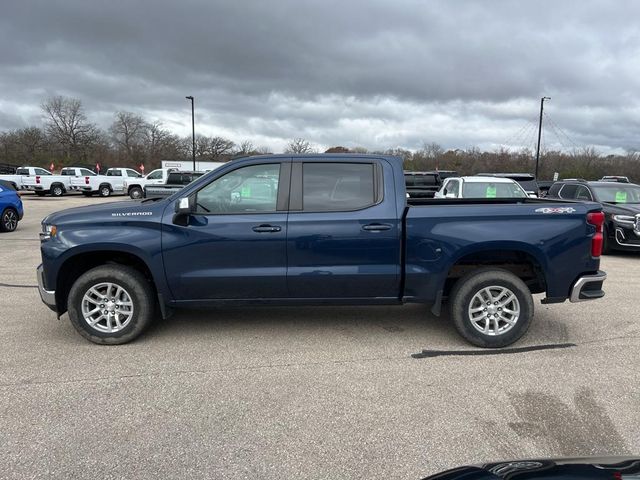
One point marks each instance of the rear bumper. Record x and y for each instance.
(48, 296)
(588, 287)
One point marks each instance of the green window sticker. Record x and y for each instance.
(245, 192)
(491, 192)
(621, 197)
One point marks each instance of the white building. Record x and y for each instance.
(187, 165)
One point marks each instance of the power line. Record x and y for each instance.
(561, 131)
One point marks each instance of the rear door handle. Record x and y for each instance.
(376, 227)
(266, 228)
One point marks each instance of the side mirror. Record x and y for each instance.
(184, 207)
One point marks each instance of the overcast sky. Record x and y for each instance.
(378, 74)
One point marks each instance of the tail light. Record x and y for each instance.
(597, 220)
(86, 180)
(38, 179)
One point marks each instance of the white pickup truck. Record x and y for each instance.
(43, 182)
(89, 183)
(134, 187)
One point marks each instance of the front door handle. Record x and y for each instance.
(266, 228)
(376, 227)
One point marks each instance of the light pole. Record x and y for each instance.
(540, 133)
(193, 132)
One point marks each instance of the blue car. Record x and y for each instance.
(11, 210)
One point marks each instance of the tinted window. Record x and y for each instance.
(252, 189)
(87, 173)
(155, 175)
(337, 186)
(42, 171)
(582, 193)
(114, 173)
(568, 192)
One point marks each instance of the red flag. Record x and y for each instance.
(51, 167)
(98, 167)
(141, 167)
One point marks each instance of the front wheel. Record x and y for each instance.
(111, 304)
(491, 308)
(9, 220)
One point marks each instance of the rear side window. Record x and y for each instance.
(88, 173)
(554, 190)
(114, 173)
(568, 192)
(42, 171)
(67, 172)
(331, 187)
(22, 171)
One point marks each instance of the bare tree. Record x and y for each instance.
(128, 131)
(67, 124)
(245, 148)
(299, 145)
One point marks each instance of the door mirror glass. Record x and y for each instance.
(184, 207)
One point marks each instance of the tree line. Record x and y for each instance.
(68, 137)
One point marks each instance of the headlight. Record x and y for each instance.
(48, 231)
(625, 219)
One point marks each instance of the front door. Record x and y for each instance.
(234, 246)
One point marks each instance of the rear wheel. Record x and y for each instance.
(135, 192)
(105, 190)
(491, 308)
(57, 191)
(111, 304)
(9, 220)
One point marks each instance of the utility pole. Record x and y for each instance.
(540, 133)
(193, 132)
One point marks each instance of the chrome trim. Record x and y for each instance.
(47, 296)
(622, 242)
(581, 282)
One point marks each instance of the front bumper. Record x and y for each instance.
(588, 287)
(48, 296)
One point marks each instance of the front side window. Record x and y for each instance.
(155, 175)
(252, 189)
(42, 171)
(87, 173)
(330, 187)
(453, 188)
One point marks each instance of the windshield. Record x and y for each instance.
(617, 193)
(492, 190)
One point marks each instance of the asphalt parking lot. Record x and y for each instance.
(305, 393)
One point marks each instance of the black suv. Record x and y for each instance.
(425, 184)
(621, 205)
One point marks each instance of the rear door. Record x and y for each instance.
(343, 237)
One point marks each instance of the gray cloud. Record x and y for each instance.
(374, 73)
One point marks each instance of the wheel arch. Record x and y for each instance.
(81, 262)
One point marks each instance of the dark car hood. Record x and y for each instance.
(630, 208)
(107, 211)
(610, 468)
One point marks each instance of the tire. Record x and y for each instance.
(136, 288)
(467, 294)
(56, 190)
(105, 190)
(135, 193)
(9, 220)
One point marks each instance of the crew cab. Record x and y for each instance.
(317, 229)
(175, 181)
(135, 187)
(90, 183)
(42, 181)
(621, 205)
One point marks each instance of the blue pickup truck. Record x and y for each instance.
(317, 229)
